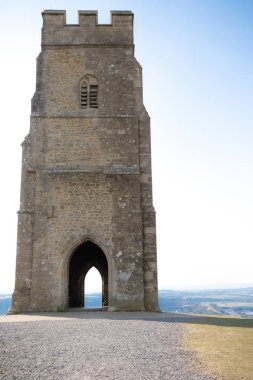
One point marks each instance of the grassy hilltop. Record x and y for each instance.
(223, 346)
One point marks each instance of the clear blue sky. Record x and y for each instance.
(197, 58)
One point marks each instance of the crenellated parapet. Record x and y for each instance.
(56, 31)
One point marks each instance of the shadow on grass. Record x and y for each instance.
(82, 314)
(223, 321)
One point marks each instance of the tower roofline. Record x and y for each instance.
(87, 31)
(118, 18)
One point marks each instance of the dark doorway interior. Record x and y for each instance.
(86, 256)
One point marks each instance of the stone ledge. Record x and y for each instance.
(81, 116)
(29, 212)
(94, 170)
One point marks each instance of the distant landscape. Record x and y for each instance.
(5, 303)
(236, 302)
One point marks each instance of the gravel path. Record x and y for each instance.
(87, 346)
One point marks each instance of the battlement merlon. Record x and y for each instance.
(55, 31)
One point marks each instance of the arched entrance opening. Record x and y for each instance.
(86, 256)
(93, 289)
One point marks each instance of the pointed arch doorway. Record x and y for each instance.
(86, 256)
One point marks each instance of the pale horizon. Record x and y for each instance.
(91, 288)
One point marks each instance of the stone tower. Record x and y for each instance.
(86, 188)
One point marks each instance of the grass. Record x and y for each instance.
(223, 346)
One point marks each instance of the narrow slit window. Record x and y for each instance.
(93, 96)
(84, 97)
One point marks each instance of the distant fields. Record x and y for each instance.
(233, 302)
(223, 346)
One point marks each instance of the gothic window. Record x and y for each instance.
(88, 92)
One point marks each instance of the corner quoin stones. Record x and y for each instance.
(86, 168)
